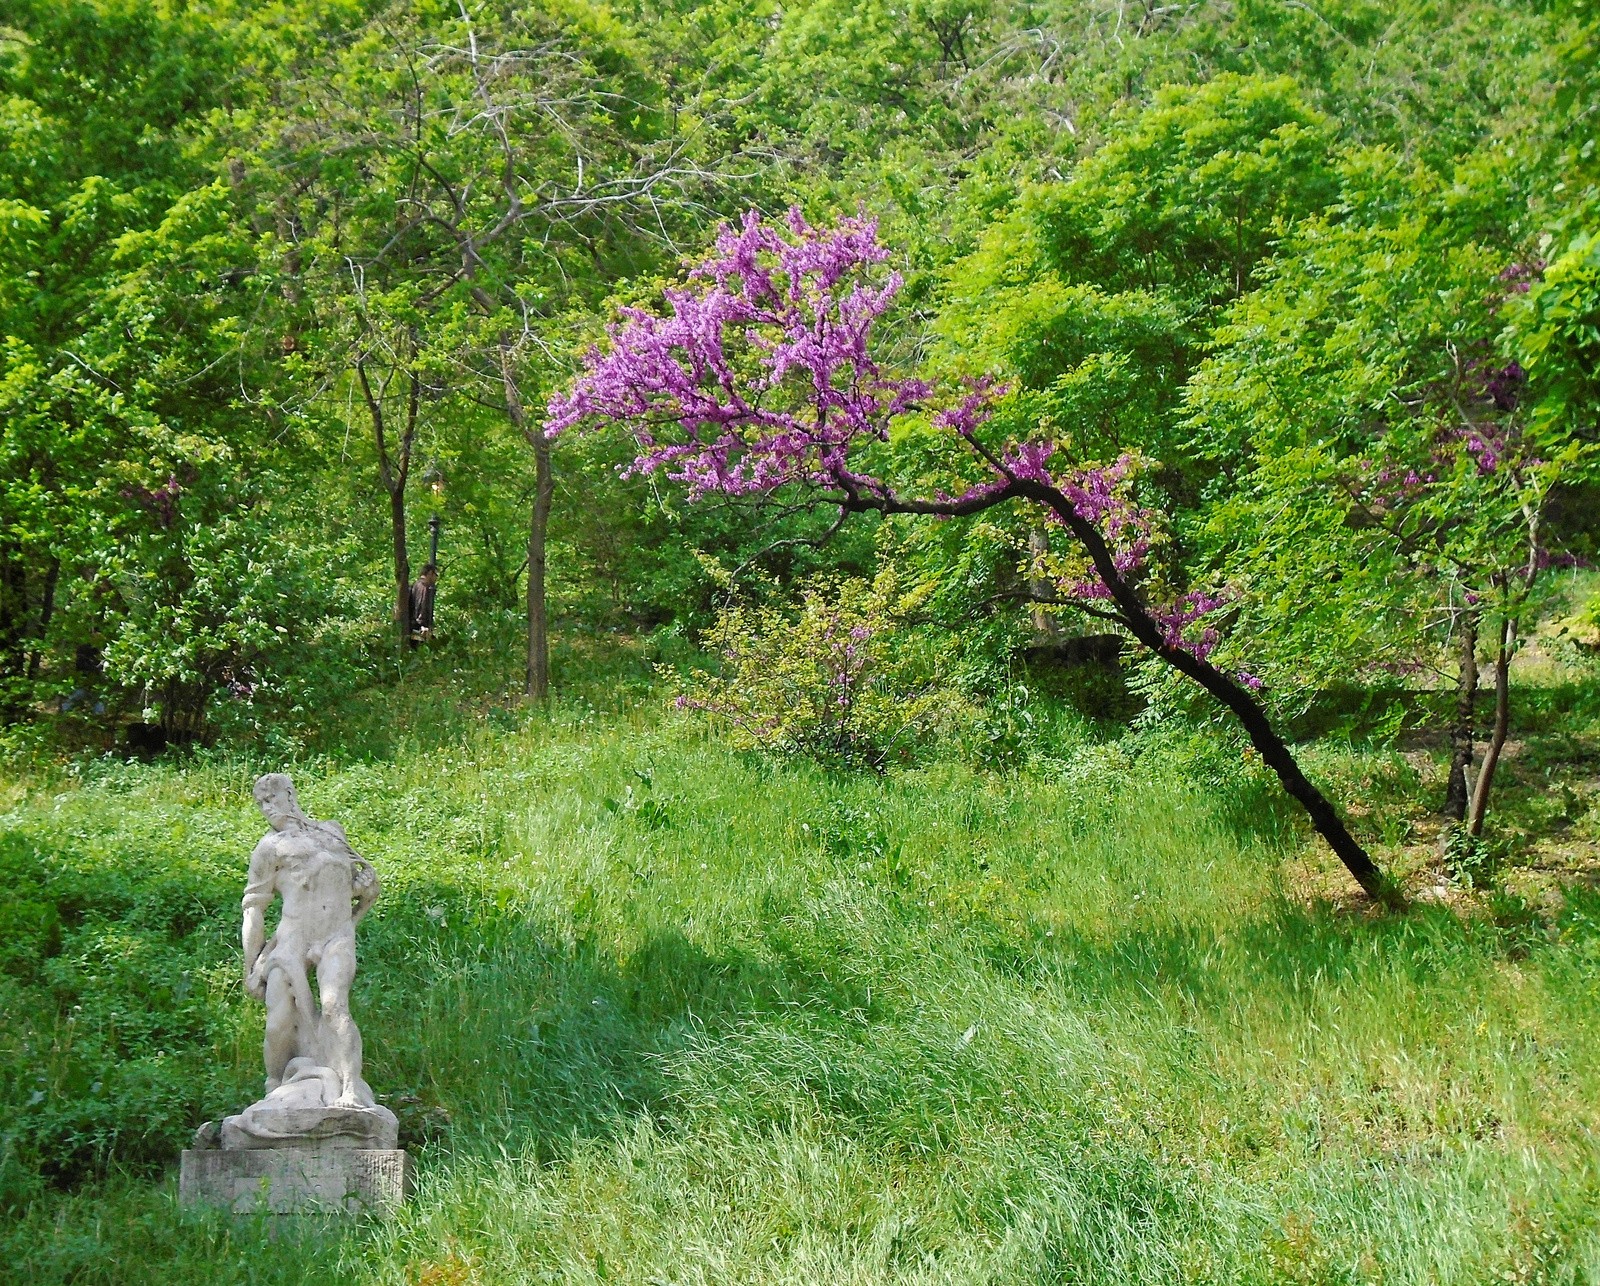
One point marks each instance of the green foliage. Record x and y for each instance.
(841, 680)
(1555, 328)
(1187, 196)
(213, 215)
(254, 642)
(147, 528)
(1096, 290)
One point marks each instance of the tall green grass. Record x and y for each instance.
(656, 1012)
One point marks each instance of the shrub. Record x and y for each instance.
(1474, 860)
(845, 680)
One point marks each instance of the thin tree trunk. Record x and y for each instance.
(402, 561)
(13, 631)
(538, 530)
(1457, 792)
(393, 471)
(46, 611)
(1502, 725)
(538, 667)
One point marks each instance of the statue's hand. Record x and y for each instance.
(254, 983)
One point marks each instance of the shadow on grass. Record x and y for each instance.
(529, 1038)
(490, 1032)
(1357, 712)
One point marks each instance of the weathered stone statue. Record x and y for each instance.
(312, 1050)
(336, 1142)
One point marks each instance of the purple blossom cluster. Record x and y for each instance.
(1390, 485)
(847, 660)
(1519, 276)
(1502, 385)
(762, 375)
(1485, 446)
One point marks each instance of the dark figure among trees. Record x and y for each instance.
(419, 626)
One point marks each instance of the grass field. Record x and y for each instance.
(656, 1012)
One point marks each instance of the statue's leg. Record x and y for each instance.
(340, 1038)
(279, 1046)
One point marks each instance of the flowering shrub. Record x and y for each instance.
(842, 681)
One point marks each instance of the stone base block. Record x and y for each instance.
(295, 1181)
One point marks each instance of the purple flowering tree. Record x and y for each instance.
(762, 377)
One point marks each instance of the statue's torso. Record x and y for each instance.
(315, 882)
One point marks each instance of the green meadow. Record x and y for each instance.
(653, 1010)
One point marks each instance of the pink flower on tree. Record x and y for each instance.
(763, 377)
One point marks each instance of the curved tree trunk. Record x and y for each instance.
(1252, 717)
(1133, 616)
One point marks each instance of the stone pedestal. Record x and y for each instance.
(296, 1181)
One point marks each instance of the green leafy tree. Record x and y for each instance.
(1399, 468)
(127, 453)
(1096, 295)
(458, 182)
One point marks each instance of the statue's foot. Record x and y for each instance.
(272, 1083)
(349, 1099)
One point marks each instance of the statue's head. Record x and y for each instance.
(279, 805)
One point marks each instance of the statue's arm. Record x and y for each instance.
(259, 890)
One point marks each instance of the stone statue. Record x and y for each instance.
(314, 1092)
